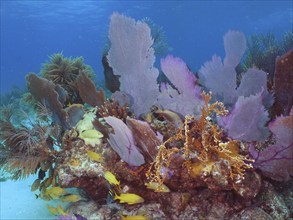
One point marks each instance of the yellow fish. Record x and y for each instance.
(134, 217)
(111, 178)
(95, 156)
(35, 185)
(52, 210)
(55, 192)
(129, 198)
(53, 183)
(71, 198)
(157, 187)
(61, 210)
(91, 137)
(47, 182)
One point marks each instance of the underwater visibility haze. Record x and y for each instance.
(146, 110)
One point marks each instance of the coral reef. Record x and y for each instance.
(220, 77)
(9, 97)
(160, 40)
(155, 151)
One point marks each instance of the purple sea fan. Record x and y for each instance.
(276, 160)
(66, 217)
(247, 120)
(220, 77)
(132, 57)
(146, 139)
(253, 82)
(122, 142)
(188, 101)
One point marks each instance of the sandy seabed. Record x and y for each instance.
(18, 202)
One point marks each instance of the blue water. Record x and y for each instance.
(32, 30)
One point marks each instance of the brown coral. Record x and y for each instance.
(44, 91)
(87, 90)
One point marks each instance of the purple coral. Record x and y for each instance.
(276, 160)
(122, 141)
(188, 100)
(132, 57)
(247, 120)
(66, 217)
(220, 77)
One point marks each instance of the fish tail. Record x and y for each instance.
(113, 194)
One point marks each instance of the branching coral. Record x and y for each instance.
(203, 143)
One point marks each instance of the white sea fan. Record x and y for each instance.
(132, 57)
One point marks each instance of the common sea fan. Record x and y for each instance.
(132, 57)
(122, 142)
(276, 160)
